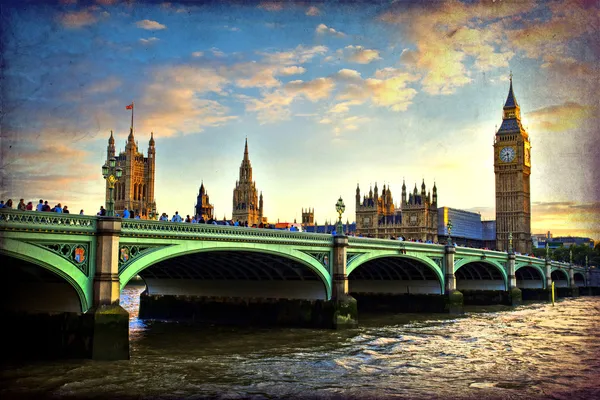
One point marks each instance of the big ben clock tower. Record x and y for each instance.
(512, 167)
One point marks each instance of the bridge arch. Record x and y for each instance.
(579, 279)
(56, 266)
(396, 268)
(480, 274)
(203, 249)
(530, 276)
(560, 277)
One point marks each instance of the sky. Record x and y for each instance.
(328, 94)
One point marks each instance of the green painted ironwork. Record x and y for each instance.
(129, 253)
(77, 254)
(321, 256)
(46, 221)
(58, 242)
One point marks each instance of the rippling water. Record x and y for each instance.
(534, 351)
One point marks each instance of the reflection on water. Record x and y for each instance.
(534, 351)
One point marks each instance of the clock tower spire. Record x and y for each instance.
(512, 168)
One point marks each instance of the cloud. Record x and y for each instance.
(293, 70)
(299, 55)
(174, 101)
(150, 40)
(344, 106)
(560, 118)
(323, 29)
(105, 86)
(150, 25)
(271, 107)
(231, 28)
(313, 11)
(197, 54)
(314, 90)
(448, 35)
(217, 53)
(389, 88)
(561, 217)
(360, 55)
(77, 19)
(271, 6)
(33, 171)
(252, 74)
(350, 75)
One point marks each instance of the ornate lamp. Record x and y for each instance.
(112, 175)
(571, 256)
(449, 226)
(510, 248)
(340, 207)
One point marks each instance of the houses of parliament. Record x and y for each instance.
(376, 215)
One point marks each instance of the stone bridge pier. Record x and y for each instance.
(454, 298)
(110, 338)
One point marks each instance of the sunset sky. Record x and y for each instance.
(329, 94)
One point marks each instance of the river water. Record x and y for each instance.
(534, 351)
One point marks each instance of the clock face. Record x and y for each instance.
(507, 154)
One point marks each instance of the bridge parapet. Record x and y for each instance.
(161, 229)
(16, 220)
(372, 243)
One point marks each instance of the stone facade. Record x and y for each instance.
(135, 189)
(512, 168)
(308, 217)
(417, 218)
(247, 205)
(203, 207)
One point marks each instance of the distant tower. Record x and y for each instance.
(203, 207)
(512, 168)
(135, 189)
(308, 217)
(246, 204)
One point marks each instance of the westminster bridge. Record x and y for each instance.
(61, 263)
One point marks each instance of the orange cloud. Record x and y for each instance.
(313, 11)
(359, 54)
(173, 103)
(387, 89)
(561, 217)
(271, 107)
(271, 6)
(77, 19)
(313, 90)
(323, 29)
(150, 25)
(450, 34)
(293, 70)
(559, 118)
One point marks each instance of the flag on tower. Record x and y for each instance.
(129, 107)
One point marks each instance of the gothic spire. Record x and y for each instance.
(511, 100)
(246, 150)
(151, 139)
(111, 140)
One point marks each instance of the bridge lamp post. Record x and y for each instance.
(112, 175)
(571, 256)
(510, 249)
(449, 226)
(340, 208)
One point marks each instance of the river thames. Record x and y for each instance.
(534, 351)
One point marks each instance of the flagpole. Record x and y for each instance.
(132, 106)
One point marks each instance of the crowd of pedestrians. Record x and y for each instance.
(41, 206)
